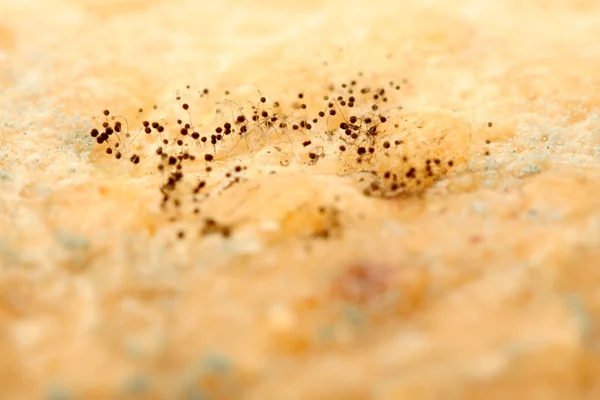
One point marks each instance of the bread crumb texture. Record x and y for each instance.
(324, 200)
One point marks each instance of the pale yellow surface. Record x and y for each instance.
(483, 286)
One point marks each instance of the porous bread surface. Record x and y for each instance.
(479, 281)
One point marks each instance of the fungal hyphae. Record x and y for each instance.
(351, 128)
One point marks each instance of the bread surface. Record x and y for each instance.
(479, 284)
